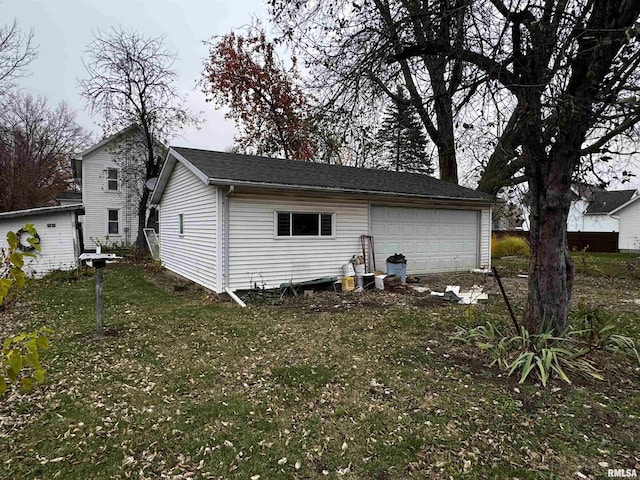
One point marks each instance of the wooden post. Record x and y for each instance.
(99, 328)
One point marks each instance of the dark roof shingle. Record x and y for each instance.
(219, 166)
(603, 202)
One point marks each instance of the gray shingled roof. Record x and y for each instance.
(604, 202)
(67, 195)
(251, 169)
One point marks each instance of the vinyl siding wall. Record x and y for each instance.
(193, 255)
(59, 244)
(629, 218)
(257, 257)
(578, 221)
(485, 237)
(97, 200)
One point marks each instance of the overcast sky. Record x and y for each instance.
(63, 29)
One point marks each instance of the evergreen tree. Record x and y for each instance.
(402, 141)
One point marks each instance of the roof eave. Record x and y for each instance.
(43, 210)
(308, 188)
(625, 205)
(163, 179)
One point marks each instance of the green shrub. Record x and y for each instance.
(509, 247)
(19, 356)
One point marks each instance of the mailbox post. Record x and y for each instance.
(98, 261)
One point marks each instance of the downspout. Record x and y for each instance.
(225, 247)
(225, 236)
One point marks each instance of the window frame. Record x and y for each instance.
(181, 224)
(107, 180)
(109, 221)
(291, 236)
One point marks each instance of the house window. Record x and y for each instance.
(113, 221)
(112, 179)
(290, 224)
(181, 224)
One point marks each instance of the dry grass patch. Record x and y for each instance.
(333, 386)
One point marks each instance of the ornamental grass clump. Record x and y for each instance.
(509, 247)
(547, 355)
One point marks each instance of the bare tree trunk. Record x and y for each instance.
(551, 269)
(141, 243)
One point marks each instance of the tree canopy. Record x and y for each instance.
(271, 113)
(403, 144)
(36, 143)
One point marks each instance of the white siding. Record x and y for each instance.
(194, 254)
(577, 221)
(256, 256)
(599, 223)
(485, 238)
(575, 218)
(97, 199)
(58, 241)
(629, 218)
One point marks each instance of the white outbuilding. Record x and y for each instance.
(628, 216)
(236, 221)
(57, 228)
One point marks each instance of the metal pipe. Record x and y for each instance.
(235, 297)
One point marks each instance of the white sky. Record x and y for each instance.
(63, 29)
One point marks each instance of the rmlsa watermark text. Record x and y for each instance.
(622, 473)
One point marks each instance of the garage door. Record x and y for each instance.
(433, 240)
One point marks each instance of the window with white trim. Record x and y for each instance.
(299, 224)
(112, 179)
(181, 224)
(113, 221)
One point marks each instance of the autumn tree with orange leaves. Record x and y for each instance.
(271, 113)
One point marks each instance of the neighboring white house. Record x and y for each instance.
(57, 228)
(234, 221)
(591, 208)
(110, 192)
(628, 217)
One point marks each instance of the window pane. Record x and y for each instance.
(181, 224)
(112, 179)
(305, 224)
(283, 224)
(325, 224)
(112, 222)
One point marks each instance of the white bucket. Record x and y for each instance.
(359, 270)
(347, 270)
(380, 281)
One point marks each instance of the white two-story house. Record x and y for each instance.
(111, 189)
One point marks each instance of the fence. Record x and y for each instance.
(602, 242)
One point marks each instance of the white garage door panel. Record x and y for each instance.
(433, 240)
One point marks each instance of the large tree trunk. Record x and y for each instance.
(551, 268)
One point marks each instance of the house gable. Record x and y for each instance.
(189, 238)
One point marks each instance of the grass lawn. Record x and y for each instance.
(333, 386)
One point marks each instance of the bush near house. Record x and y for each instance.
(509, 246)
